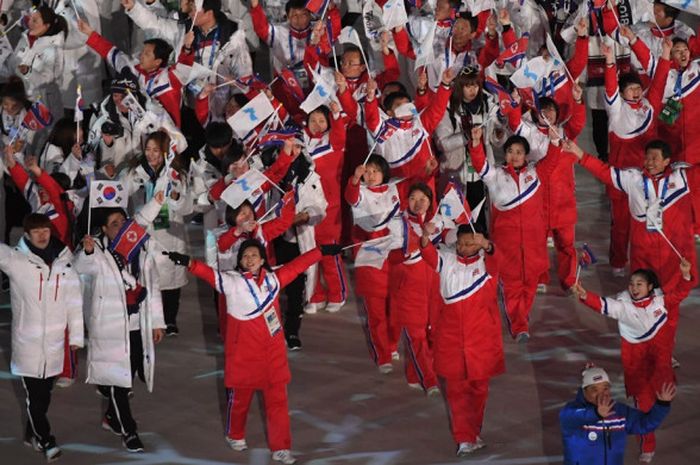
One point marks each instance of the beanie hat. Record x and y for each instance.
(593, 375)
(120, 85)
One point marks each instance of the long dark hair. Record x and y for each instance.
(57, 23)
(232, 213)
(466, 77)
(248, 243)
(63, 135)
(162, 139)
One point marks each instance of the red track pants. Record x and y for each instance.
(332, 270)
(279, 435)
(418, 357)
(619, 228)
(466, 400)
(566, 256)
(382, 336)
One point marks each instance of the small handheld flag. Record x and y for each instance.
(38, 117)
(128, 240)
(108, 194)
(586, 256)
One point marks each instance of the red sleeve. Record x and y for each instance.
(430, 255)
(489, 52)
(493, 261)
(203, 272)
(227, 239)
(678, 294)
(546, 166)
(403, 43)
(592, 301)
(349, 104)
(578, 62)
(597, 168)
(478, 156)
(433, 113)
(336, 21)
(278, 226)
(658, 84)
(575, 125)
(509, 37)
(642, 52)
(694, 45)
(391, 70)
(338, 132)
(610, 80)
(201, 109)
(217, 189)
(352, 192)
(372, 120)
(311, 58)
(278, 170)
(99, 44)
(51, 187)
(421, 101)
(515, 117)
(288, 273)
(19, 176)
(260, 24)
(185, 58)
(482, 17)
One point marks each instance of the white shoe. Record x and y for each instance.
(541, 288)
(285, 456)
(236, 444)
(466, 448)
(522, 338)
(618, 272)
(385, 368)
(480, 442)
(550, 242)
(64, 382)
(334, 307)
(646, 457)
(395, 356)
(433, 391)
(415, 386)
(697, 238)
(311, 309)
(675, 363)
(52, 453)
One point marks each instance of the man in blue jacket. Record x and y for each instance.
(594, 427)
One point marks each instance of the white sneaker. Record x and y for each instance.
(285, 456)
(522, 338)
(550, 242)
(311, 309)
(236, 444)
(697, 238)
(385, 368)
(541, 288)
(480, 442)
(64, 382)
(433, 391)
(618, 272)
(395, 356)
(52, 453)
(415, 386)
(466, 448)
(675, 363)
(646, 457)
(334, 307)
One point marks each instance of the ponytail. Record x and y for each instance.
(57, 23)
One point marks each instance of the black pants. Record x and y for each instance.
(286, 252)
(38, 399)
(600, 133)
(118, 413)
(171, 305)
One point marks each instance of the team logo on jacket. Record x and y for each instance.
(394, 199)
(528, 178)
(657, 313)
(592, 436)
(671, 185)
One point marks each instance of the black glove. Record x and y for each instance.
(178, 258)
(331, 249)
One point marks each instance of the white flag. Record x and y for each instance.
(251, 115)
(452, 208)
(531, 73)
(557, 61)
(5, 48)
(477, 6)
(394, 14)
(198, 4)
(108, 194)
(348, 35)
(689, 6)
(374, 253)
(78, 111)
(248, 186)
(322, 93)
(424, 44)
(198, 72)
(132, 103)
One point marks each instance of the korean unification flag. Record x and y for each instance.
(689, 6)
(477, 6)
(424, 46)
(531, 73)
(246, 187)
(348, 35)
(322, 93)
(374, 253)
(394, 14)
(453, 208)
(557, 61)
(251, 115)
(108, 194)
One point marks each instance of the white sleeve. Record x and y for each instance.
(73, 299)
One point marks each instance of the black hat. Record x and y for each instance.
(122, 84)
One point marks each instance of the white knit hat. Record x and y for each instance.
(593, 375)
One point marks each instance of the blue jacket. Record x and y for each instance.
(592, 440)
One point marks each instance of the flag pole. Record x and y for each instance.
(669, 242)
(370, 151)
(11, 27)
(376, 239)
(362, 51)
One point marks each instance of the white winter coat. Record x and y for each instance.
(45, 61)
(45, 300)
(174, 238)
(123, 148)
(108, 361)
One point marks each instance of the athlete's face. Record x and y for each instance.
(515, 156)
(593, 392)
(251, 260)
(467, 245)
(148, 60)
(633, 93)
(351, 64)
(548, 113)
(115, 221)
(469, 92)
(37, 26)
(11, 106)
(299, 18)
(639, 287)
(245, 215)
(443, 10)
(39, 237)
(373, 175)
(654, 161)
(318, 124)
(680, 54)
(154, 155)
(418, 203)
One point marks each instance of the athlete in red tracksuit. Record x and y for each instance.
(48, 201)
(659, 187)
(647, 341)
(632, 124)
(518, 224)
(255, 349)
(559, 188)
(324, 140)
(468, 347)
(682, 86)
(376, 207)
(413, 287)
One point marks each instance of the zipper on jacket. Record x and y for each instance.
(55, 294)
(41, 284)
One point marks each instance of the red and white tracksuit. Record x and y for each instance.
(682, 85)
(559, 189)
(256, 353)
(631, 126)
(327, 151)
(647, 342)
(413, 290)
(229, 241)
(467, 346)
(376, 213)
(648, 248)
(519, 228)
(61, 216)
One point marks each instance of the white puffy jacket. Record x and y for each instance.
(45, 300)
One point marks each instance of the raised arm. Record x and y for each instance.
(288, 273)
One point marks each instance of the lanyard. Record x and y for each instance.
(293, 61)
(214, 42)
(149, 86)
(664, 190)
(678, 87)
(252, 292)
